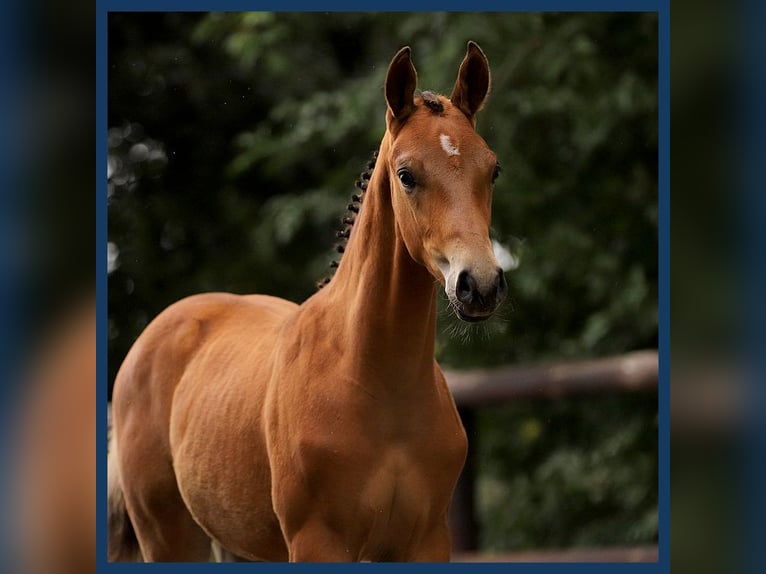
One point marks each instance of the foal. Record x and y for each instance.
(323, 431)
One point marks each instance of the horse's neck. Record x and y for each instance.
(386, 301)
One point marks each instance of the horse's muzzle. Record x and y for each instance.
(478, 300)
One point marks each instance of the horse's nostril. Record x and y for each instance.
(468, 292)
(465, 288)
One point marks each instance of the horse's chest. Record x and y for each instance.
(409, 493)
(381, 472)
(399, 459)
(390, 490)
(400, 487)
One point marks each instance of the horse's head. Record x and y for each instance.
(442, 173)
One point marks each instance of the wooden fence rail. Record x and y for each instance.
(624, 373)
(631, 372)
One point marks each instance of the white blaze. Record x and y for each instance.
(447, 145)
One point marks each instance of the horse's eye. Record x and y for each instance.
(407, 179)
(495, 173)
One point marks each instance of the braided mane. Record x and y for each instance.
(348, 219)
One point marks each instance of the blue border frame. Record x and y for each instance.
(751, 124)
(103, 7)
(659, 6)
(664, 285)
(102, 328)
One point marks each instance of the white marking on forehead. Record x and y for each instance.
(447, 145)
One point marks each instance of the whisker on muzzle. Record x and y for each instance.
(456, 328)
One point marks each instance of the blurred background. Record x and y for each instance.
(233, 143)
(48, 182)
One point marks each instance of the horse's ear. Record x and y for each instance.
(472, 85)
(401, 80)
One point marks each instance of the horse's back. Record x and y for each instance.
(169, 344)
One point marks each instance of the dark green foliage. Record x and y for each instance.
(578, 472)
(235, 140)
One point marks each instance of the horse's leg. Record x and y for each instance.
(315, 542)
(436, 547)
(165, 529)
(166, 532)
(220, 554)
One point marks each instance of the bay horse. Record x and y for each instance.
(323, 431)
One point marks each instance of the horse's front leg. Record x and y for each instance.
(435, 546)
(317, 542)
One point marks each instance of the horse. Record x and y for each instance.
(323, 431)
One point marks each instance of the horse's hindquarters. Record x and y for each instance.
(186, 409)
